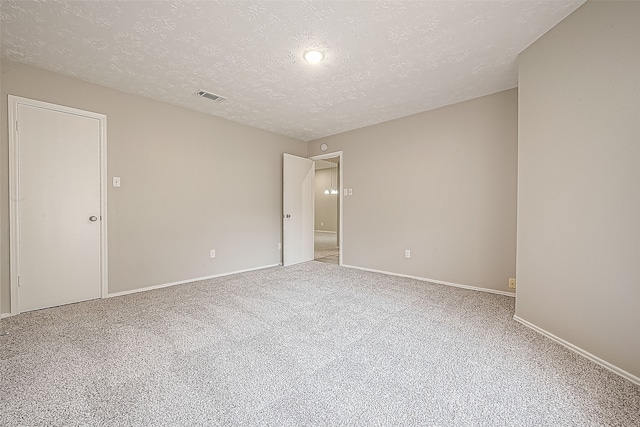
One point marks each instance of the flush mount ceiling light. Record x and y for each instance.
(313, 56)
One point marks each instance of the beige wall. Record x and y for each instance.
(190, 183)
(440, 183)
(326, 207)
(579, 183)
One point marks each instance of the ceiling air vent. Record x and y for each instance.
(212, 96)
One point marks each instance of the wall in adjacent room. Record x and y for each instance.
(579, 183)
(440, 183)
(326, 205)
(191, 182)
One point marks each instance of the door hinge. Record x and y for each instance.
(18, 281)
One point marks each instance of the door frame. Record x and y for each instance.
(14, 210)
(340, 194)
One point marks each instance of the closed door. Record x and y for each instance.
(298, 203)
(58, 197)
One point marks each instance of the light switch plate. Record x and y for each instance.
(116, 181)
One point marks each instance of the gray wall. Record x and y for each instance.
(190, 183)
(440, 183)
(326, 208)
(579, 182)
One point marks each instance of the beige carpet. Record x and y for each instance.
(313, 344)
(325, 245)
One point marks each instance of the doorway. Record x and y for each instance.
(58, 204)
(327, 196)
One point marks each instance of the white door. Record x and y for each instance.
(297, 198)
(57, 207)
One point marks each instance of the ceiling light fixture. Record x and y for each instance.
(313, 56)
(333, 189)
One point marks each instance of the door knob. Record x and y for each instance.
(287, 216)
(93, 218)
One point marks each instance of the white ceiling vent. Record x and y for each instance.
(212, 96)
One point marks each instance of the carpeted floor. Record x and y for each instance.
(326, 247)
(308, 345)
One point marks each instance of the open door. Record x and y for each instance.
(297, 209)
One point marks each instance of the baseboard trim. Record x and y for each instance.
(438, 282)
(325, 231)
(3, 315)
(616, 370)
(182, 282)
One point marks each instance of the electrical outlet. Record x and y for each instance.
(512, 283)
(212, 254)
(407, 253)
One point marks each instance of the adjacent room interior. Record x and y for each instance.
(327, 210)
(476, 213)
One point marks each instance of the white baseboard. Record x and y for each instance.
(3, 315)
(580, 351)
(438, 282)
(182, 282)
(324, 231)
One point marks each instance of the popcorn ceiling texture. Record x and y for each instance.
(384, 59)
(313, 344)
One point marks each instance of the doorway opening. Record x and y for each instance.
(327, 210)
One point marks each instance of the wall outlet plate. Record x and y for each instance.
(512, 283)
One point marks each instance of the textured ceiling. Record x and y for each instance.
(384, 59)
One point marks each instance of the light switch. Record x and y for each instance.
(116, 181)
(351, 191)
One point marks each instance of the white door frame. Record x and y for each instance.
(14, 211)
(340, 194)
